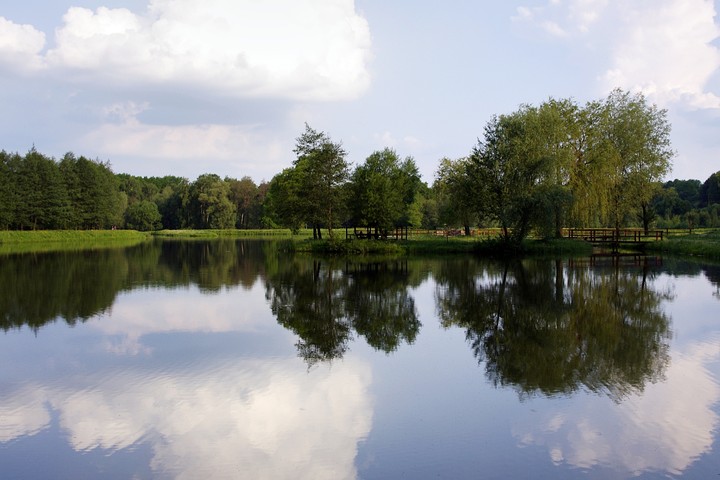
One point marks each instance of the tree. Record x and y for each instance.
(507, 171)
(93, 191)
(639, 152)
(384, 192)
(710, 190)
(455, 189)
(143, 215)
(208, 203)
(245, 195)
(283, 203)
(8, 193)
(43, 202)
(322, 171)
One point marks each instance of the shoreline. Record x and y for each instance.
(699, 244)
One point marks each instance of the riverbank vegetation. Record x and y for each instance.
(532, 173)
(703, 243)
(54, 240)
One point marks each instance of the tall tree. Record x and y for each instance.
(454, 187)
(507, 170)
(323, 172)
(376, 199)
(638, 137)
(8, 193)
(208, 202)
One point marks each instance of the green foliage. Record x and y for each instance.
(144, 216)
(322, 172)
(507, 170)
(383, 192)
(455, 189)
(207, 203)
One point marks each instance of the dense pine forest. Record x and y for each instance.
(538, 169)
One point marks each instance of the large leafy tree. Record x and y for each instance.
(383, 192)
(507, 170)
(323, 171)
(638, 152)
(284, 205)
(454, 187)
(208, 204)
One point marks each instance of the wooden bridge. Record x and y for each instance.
(615, 237)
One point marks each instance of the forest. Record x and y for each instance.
(535, 170)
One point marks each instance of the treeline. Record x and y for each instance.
(39, 193)
(540, 168)
(688, 203)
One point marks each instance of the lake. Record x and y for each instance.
(231, 359)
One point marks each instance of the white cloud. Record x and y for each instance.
(663, 48)
(296, 49)
(20, 46)
(562, 20)
(207, 148)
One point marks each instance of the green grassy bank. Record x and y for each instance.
(13, 241)
(701, 243)
(435, 245)
(231, 233)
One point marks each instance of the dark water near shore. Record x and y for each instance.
(230, 359)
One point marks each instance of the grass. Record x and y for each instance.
(13, 241)
(438, 245)
(231, 233)
(701, 243)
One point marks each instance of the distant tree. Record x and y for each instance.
(455, 189)
(687, 191)
(283, 205)
(208, 203)
(93, 192)
(244, 194)
(43, 201)
(710, 190)
(143, 215)
(8, 193)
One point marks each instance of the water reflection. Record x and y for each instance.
(226, 420)
(182, 363)
(325, 301)
(75, 286)
(545, 327)
(664, 430)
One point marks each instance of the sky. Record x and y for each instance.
(187, 87)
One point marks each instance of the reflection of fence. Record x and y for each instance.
(607, 260)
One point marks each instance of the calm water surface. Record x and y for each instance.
(228, 359)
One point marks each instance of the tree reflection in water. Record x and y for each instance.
(553, 328)
(325, 300)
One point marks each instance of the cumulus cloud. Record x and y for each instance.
(666, 51)
(296, 49)
(211, 147)
(20, 46)
(663, 48)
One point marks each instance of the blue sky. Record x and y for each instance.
(186, 87)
